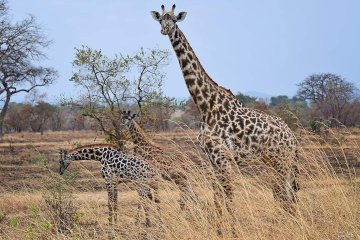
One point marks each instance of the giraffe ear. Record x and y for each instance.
(155, 15)
(181, 16)
(134, 115)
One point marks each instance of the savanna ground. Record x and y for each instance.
(37, 203)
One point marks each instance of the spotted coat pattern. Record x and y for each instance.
(230, 131)
(116, 166)
(171, 167)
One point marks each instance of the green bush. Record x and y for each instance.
(319, 124)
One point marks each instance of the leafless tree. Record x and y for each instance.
(21, 45)
(3, 6)
(329, 93)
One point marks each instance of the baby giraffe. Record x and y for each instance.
(116, 167)
(170, 167)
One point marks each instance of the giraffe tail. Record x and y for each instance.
(295, 186)
(295, 168)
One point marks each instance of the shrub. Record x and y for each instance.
(319, 124)
(61, 208)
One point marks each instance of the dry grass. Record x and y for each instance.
(329, 206)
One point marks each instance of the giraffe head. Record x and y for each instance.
(168, 19)
(64, 161)
(127, 117)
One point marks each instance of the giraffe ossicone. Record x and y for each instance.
(230, 127)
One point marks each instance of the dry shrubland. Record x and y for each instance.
(37, 203)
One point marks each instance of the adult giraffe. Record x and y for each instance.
(231, 131)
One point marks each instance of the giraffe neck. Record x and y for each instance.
(139, 136)
(96, 153)
(206, 93)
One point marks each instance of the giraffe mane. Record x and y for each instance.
(94, 145)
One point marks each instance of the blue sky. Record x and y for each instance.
(262, 46)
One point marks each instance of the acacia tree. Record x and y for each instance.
(21, 45)
(330, 94)
(111, 84)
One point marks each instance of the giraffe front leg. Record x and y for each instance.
(111, 201)
(223, 200)
(223, 191)
(221, 161)
(285, 186)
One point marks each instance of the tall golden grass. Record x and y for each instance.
(328, 208)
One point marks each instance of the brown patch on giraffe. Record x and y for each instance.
(179, 52)
(191, 57)
(203, 107)
(184, 63)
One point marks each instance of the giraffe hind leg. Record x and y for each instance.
(115, 204)
(223, 190)
(221, 160)
(285, 188)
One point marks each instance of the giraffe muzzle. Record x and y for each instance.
(165, 31)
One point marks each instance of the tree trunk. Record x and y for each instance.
(3, 113)
(119, 140)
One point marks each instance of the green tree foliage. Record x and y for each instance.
(109, 85)
(279, 100)
(319, 125)
(293, 110)
(158, 111)
(245, 99)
